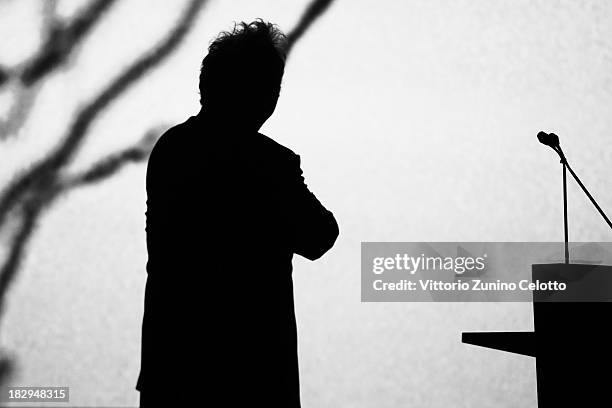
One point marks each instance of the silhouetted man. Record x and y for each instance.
(227, 208)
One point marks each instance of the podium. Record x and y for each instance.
(572, 340)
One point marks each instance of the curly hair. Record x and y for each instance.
(250, 55)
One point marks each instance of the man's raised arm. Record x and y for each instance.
(314, 227)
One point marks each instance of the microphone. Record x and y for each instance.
(552, 140)
(548, 139)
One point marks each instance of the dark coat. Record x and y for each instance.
(226, 211)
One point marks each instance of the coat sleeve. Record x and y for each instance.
(314, 227)
(159, 189)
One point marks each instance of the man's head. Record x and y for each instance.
(241, 76)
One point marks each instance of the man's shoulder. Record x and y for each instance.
(173, 134)
(171, 139)
(273, 147)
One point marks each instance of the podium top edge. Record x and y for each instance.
(573, 264)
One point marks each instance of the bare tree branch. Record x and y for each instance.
(44, 171)
(113, 163)
(29, 214)
(18, 112)
(58, 44)
(315, 9)
(62, 40)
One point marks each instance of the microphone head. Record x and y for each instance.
(543, 137)
(554, 139)
(548, 139)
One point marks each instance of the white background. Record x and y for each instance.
(415, 120)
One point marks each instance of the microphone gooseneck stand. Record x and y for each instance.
(553, 142)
